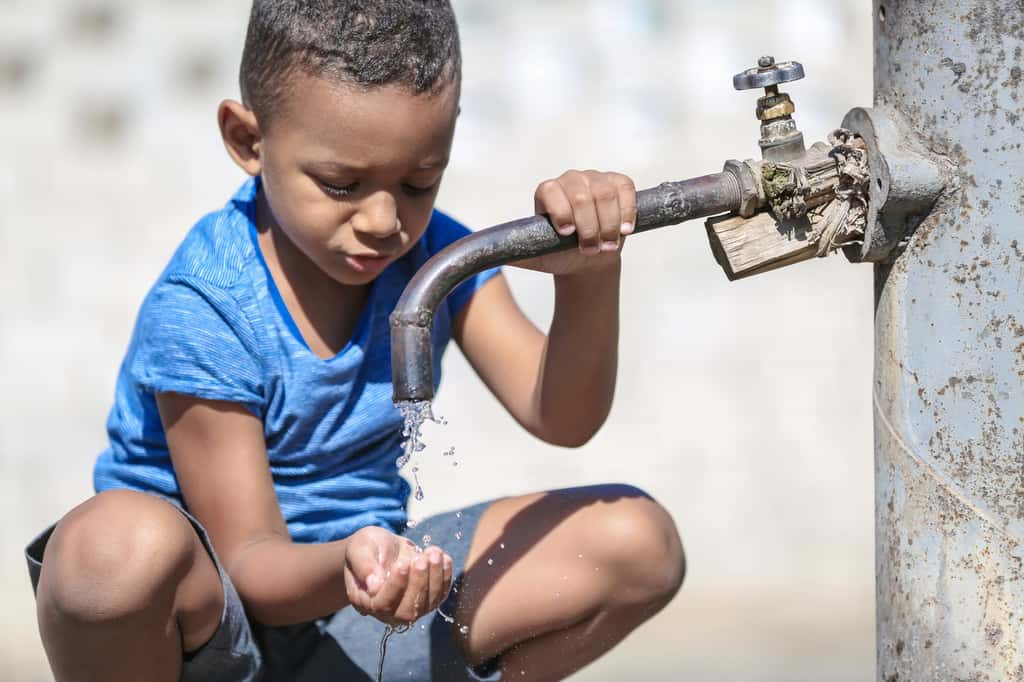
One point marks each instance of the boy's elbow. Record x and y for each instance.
(261, 605)
(571, 442)
(571, 436)
(258, 583)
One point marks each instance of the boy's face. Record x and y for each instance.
(351, 175)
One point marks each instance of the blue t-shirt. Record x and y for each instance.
(214, 326)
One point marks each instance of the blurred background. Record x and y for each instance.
(743, 407)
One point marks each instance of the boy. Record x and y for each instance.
(249, 518)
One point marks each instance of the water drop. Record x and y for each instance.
(502, 545)
(449, 452)
(427, 539)
(418, 492)
(455, 464)
(411, 523)
(464, 629)
(490, 562)
(458, 535)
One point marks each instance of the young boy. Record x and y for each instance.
(250, 521)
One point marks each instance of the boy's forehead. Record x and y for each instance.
(368, 126)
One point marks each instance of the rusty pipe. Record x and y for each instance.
(411, 354)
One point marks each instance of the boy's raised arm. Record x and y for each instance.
(559, 386)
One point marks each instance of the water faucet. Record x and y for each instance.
(411, 354)
(763, 214)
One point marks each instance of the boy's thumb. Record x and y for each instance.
(365, 565)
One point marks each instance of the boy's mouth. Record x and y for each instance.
(367, 263)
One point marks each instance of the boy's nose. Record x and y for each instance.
(377, 216)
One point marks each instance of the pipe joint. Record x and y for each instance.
(906, 180)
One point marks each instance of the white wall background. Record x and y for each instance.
(744, 407)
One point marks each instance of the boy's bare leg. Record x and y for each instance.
(579, 570)
(126, 587)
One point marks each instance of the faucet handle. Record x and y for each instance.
(780, 138)
(767, 73)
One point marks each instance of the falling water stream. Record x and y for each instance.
(415, 414)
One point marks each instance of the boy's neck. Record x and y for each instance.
(324, 310)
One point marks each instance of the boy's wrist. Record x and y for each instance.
(590, 275)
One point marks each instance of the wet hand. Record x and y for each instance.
(598, 207)
(390, 578)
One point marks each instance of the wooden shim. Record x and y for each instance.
(750, 246)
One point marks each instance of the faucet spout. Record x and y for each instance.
(411, 322)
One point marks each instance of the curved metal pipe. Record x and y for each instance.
(412, 364)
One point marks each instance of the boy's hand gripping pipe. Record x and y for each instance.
(411, 354)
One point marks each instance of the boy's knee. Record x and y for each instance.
(643, 549)
(117, 555)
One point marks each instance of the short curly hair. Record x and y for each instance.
(368, 43)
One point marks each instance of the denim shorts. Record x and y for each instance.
(344, 646)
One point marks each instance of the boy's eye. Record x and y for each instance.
(416, 191)
(337, 190)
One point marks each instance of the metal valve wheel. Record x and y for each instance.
(768, 73)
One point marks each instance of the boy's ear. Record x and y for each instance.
(241, 134)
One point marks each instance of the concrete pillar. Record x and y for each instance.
(949, 351)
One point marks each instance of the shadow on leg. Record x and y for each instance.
(556, 579)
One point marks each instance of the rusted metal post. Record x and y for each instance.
(949, 350)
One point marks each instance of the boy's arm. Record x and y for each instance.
(220, 460)
(559, 386)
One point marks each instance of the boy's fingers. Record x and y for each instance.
(627, 202)
(584, 213)
(449, 569)
(435, 592)
(413, 603)
(355, 594)
(389, 597)
(609, 215)
(550, 200)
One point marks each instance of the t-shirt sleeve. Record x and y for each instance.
(445, 230)
(194, 338)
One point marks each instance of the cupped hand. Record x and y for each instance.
(390, 578)
(598, 207)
